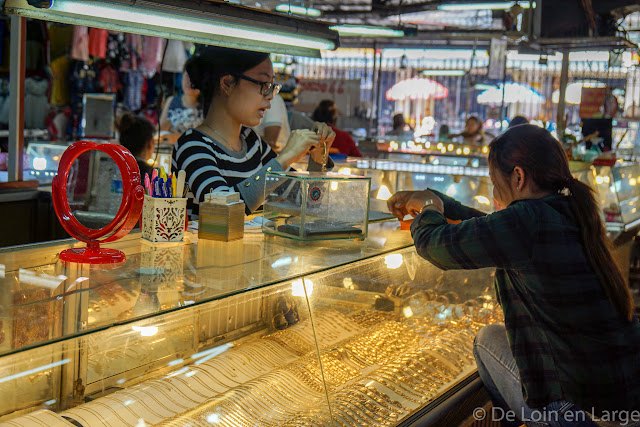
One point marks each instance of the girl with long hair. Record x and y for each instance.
(570, 347)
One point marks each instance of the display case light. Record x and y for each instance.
(456, 7)
(215, 23)
(383, 193)
(444, 73)
(367, 31)
(297, 10)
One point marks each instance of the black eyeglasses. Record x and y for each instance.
(266, 88)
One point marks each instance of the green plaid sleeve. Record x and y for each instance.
(502, 239)
(455, 210)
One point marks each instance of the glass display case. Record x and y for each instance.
(41, 161)
(317, 206)
(618, 190)
(468, 182)
(261, 331)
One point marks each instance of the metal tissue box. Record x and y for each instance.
(316, 206)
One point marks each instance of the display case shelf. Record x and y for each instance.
(262, 331)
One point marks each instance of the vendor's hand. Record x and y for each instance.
(327, 136)
(298, 145)
(411, 203)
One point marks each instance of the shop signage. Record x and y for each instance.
(345, 93)
(592, 102)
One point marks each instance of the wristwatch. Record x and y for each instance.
(427, 202)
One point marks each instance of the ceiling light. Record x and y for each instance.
(486, 6)
(220, 24)
(482, 86)
(368, 31)
(298, 10)
(444, 72)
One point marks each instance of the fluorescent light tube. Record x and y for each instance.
(444, 72)
(367, 31)
(483, 6)
(229, 26)
(298, 10)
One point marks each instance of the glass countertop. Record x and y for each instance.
(46, 300)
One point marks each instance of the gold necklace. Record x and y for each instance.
(224, 140)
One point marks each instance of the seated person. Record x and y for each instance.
(473, 132)
(182, 112)
(274, 126)
(327, 112)
(136, 135)
(565, 301)
(443, 133)
(224, 153)
(400, 127)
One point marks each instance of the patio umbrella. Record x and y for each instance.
(573, 95)
(514, 93)
(417, 88)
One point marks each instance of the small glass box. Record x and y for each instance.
(316, 206)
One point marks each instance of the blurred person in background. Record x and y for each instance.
(327, 112)
(136, 135)
(473, 132)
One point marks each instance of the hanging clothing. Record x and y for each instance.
(80, 44)
(98, 42)
(133, 81)
(60, 38)
(109, 79)
(181, 117)
(175, 57)
(36, 104)
(151, 55)
(117, 51)
(37, 45)
(59, 81)
(4, 102)
(152, 92)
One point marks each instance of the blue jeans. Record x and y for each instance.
(499, 373)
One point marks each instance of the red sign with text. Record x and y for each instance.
(592, 102)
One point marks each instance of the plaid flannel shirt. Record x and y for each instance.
(568, 341)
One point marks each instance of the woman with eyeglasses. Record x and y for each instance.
(224, 152)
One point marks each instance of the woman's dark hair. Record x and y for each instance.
(326, 112)
(518, 120)
(211, 63)
(135, 132)
(542, 158)
(398, 121)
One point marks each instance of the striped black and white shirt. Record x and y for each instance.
(209, 165)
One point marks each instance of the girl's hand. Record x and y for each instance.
(411, 203)
(298, 145)
(327, 136)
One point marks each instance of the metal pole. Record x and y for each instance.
(16, 97)
(564, 79)
(378, 90)
(373, 87)
(504, 89)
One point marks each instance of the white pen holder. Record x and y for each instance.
(163, 220)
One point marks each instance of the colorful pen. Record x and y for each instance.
(147, 184)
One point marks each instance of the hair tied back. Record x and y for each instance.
(567, 185)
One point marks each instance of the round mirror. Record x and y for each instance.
(123, 221)
(94, 189)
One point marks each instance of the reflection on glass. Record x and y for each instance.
(393, 261)
(383, 193)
